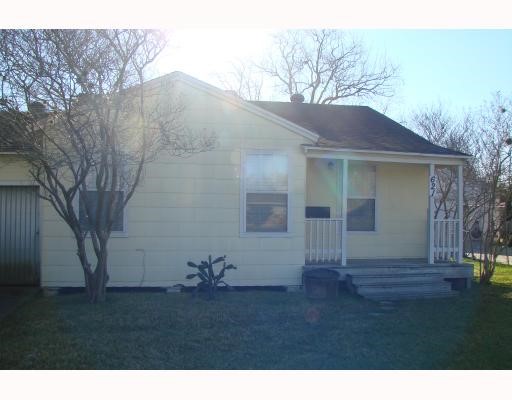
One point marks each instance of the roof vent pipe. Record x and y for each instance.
(297, 98)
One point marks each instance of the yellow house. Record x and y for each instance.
(288, 186)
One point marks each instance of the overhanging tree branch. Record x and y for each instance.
(326, 66)
(92, 129)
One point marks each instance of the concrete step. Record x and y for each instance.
(405, 287)
(446, 272)
(378, 296)
(404, 281)
(394, 279)
(413, 290)
(399, 284)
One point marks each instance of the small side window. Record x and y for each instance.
(361, 198)
(92, 199)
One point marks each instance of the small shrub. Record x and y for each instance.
(208, 280)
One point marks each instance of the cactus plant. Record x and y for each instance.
(209, 281)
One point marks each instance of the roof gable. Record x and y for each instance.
(236, 101)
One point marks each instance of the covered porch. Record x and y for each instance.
(368, 207)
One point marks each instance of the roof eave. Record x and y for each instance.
(386, 155)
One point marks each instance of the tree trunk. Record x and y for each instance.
(96, 282)
(484, 274)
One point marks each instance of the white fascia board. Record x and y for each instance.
(219, 93)
(383, 156)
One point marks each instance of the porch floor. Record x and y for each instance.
(385, 261)
(448, 270)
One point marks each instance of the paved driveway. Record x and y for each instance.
(501, 258)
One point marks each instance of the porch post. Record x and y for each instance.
(344, 187)
(460, 211)
(431, 193)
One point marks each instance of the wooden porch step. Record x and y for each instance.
(394, 279)
(433, 290)
(447, 271)
(400, 286)
(412, 295)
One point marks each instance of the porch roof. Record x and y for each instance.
(354, 127)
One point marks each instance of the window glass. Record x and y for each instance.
(266, 192)
(361, 214)
(92, 198)
(361, 181)
(361, 197)
(266, 172)
(267, 212)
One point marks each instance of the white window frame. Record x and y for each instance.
(375, 198)
(114, 234)
(243, 194)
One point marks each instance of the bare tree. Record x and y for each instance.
(244, 80)
(435, 124)
(494, 133)
(488, 174)
(75, 109)
(326, 66)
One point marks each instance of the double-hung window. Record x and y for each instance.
(361, 197)
(265, 193)
(92, 200)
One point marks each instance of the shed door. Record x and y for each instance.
(19, 235)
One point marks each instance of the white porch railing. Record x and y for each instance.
(446, 242)
(323, 240)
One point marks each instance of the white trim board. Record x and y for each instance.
(19, 183)
(383, 156)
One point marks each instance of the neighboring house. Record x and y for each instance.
(477, 218)
(288, 185)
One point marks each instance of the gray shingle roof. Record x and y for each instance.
(354, 127)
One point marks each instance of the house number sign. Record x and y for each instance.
(432, 185)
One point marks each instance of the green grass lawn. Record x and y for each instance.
(261, 330)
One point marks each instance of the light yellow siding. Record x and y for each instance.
(187, 208)
(401, 216)
(12, 170)
(401, 208)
